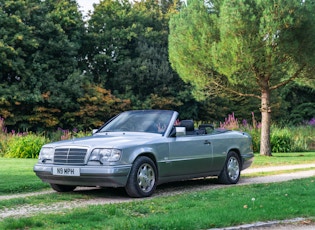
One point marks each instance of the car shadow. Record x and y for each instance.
(101, 192)
(187, 186)
(161, 190)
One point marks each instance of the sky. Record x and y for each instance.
(86, 5)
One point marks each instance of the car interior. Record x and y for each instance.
(190, 128)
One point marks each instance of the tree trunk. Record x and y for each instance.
(265, 148)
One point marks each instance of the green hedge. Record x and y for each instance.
(287, 139)
(27, 146)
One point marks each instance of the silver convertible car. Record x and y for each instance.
(141, 149)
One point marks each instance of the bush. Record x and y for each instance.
(25, 146)
(255, 133)
(302, 137)
(3, 137)
(286, 139)
(280, 140)
(65, 134)
(3, 144)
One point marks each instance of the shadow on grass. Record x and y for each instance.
(163, 189)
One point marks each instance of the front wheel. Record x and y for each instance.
(231, 171)
(142, 178)
(62, 188)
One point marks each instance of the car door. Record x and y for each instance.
(219, 148)
(189, 155)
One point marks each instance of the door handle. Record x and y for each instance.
(207, 142)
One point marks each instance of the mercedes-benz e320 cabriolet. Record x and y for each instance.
(141, 149)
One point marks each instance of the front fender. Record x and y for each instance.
(159, 152)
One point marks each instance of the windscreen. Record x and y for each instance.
(155, 121)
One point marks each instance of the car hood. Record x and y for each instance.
(108, 140)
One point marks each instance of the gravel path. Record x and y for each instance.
(109, 196)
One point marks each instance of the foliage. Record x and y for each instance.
(291, 138)
(3, 137)
(283, 139)
(96, 106)
(25, 146)
(244, 48)
(45, 38)
(280, 141)
(58, 70)
(66, 134)
(19, 145)
(28, 145)
(230, 122)
(255, 134)
(303, 137)
(298, 104)
(129, 54)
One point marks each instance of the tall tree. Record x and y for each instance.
(245, 48)
(39, 46)
(127, 53)
(16, 41)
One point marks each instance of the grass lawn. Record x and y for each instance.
(17, 176)
(283, 159)
(227, 206)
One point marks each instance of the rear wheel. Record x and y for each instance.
(231, 171)
(142, 178)
(62, 188)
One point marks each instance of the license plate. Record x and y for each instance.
(62, 171)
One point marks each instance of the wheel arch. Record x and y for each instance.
(142, 184)
(231, 171)
(237, 151)
(151, 156)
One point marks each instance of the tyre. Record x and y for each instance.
(62, 188)
(231, 171)
(142, 178)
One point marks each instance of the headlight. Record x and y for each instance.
(46, 154)
(105, 155)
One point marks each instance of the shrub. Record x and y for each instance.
(280, 140)
(3, 137)
(284, 139)
(65, 134)
(25, 146)
(255, 133)
(230, 122)
(303, 137)
(3, 144)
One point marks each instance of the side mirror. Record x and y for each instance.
(178, 131)
(94, 131)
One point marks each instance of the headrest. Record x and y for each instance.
(189, 124)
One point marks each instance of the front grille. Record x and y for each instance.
(69, 156)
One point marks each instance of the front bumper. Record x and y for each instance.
(103, 176)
